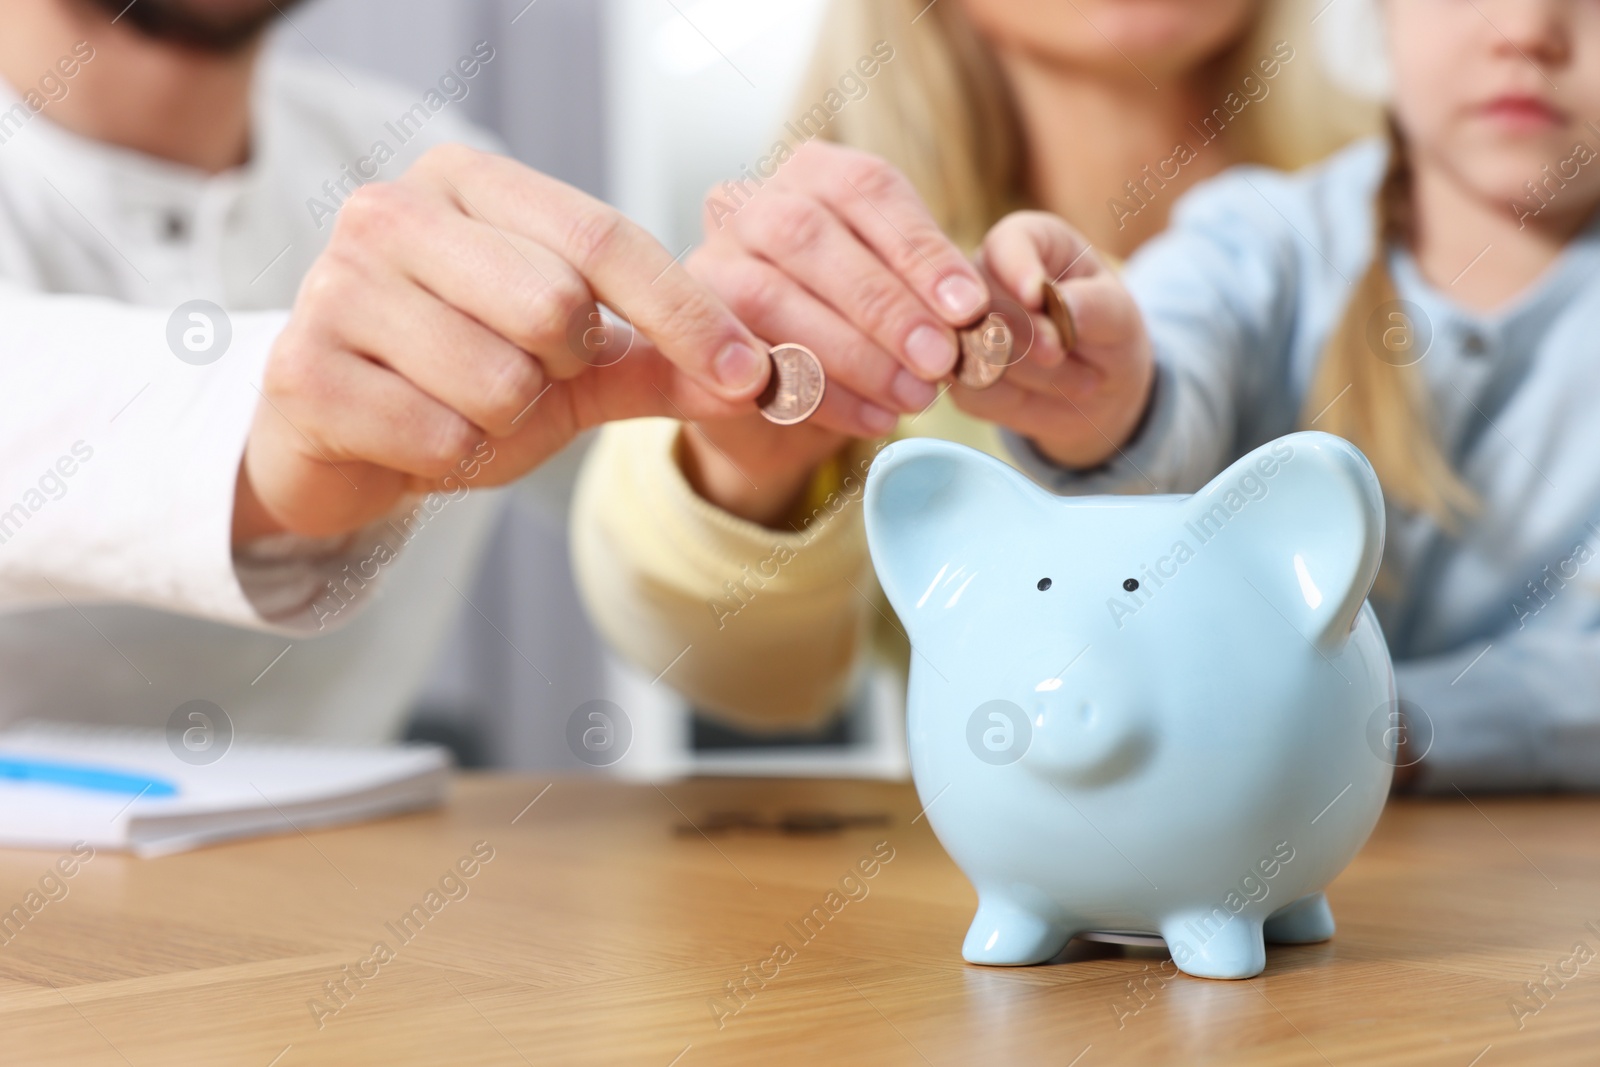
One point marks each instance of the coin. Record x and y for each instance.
(794, 392)
(986, 348)
(1061, 316)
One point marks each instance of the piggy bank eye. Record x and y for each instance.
(1131, 584)
(1044, 583)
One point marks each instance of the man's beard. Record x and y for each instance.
(208, 25)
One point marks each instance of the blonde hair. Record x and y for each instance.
(942, 114)
(946, 118)
(1379, 402)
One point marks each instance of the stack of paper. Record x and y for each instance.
(126, 789)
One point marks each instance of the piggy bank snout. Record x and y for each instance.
(1086, 738)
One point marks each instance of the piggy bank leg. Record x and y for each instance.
(1215, 945)
(1005, 934)
(1306, 921)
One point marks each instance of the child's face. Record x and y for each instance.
(1492, 91)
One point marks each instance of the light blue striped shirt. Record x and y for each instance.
(1495, 631)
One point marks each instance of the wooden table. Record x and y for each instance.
(598, 934)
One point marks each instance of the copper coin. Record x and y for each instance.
(794, 392)
(986, 348)
(1061, 316)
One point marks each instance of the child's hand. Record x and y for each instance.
(1080, 407)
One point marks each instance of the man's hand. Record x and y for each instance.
(1077, 407)
(449, 309)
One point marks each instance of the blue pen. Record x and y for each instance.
(83, 776)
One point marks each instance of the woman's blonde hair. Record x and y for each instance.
(944, 115)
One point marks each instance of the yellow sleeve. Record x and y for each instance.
(763, 626)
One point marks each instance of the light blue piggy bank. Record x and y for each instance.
(1142, 715)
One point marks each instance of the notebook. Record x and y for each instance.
(117, 788)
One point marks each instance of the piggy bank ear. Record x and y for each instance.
(937, 513)
(1306, 515)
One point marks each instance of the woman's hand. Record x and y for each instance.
(1079, 407)
(836, 252)
(750, 468)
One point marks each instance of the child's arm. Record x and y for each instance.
(1204, 314)
(1524, 716)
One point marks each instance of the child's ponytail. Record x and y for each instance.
(1380, 404)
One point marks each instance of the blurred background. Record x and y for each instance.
(647, 104)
